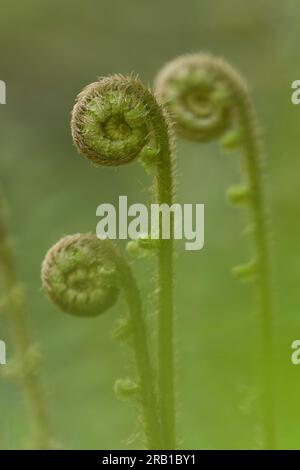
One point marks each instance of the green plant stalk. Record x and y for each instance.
(41, 435)
(115, 121)
(164, 193)
(209, 100)
(66, 268)
(147, 395)
(165, 314)
(257, 203)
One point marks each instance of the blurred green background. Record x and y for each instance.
(48, 51)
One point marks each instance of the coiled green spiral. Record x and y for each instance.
(210, 100)
(115, 121)
(199, 90)
(79, 275)
(110, 120)
(83, 276)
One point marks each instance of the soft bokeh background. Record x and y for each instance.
(48, 51)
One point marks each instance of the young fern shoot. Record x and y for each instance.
(115, 121)
(209, 100)
(24, 368)
(83, 276)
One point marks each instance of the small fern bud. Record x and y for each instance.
(126, 389)
(238, 194)
(122, 331)
(79, 275)
(135, 250)
(149, 157)
(142, 247)
(245, 272)
(232, 140)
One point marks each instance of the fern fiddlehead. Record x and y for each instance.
(24, 367)
(78, 275)
(209, 100)
(83, 276)
(115, 121)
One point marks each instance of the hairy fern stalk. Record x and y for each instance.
(116, 121)
(83, 276)
(209, 100)
(25, 367)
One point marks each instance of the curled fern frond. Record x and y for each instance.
(79, 275)
(126, 390)
(197, 96)
(116, 121)
(210, 100)
(112, 121)
(83, 276)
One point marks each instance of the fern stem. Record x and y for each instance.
(142, 129)
(209, 100)
(42, 437)
(66, 268)
(257, 203)
(140, 345)
(166, 315)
